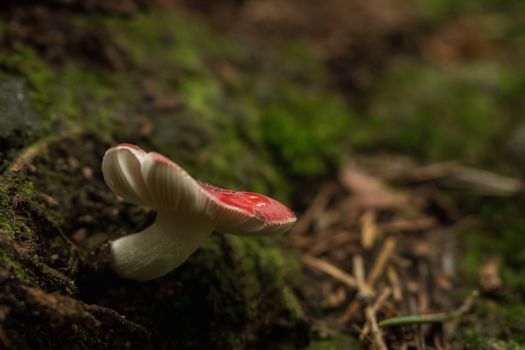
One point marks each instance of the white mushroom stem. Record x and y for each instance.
(161, 247)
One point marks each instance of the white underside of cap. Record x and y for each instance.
(121, 168)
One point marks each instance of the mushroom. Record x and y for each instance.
(188, 211)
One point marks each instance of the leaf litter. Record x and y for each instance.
(379, 250)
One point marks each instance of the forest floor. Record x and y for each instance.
(381, 250)
(408, 235)
(412, 251)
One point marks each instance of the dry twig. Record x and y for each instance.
(395, 283)
(368, 229)
(329, 269)
(383, 297)
(359, 272)
(336, 241)
(379, 265)
(370, 312)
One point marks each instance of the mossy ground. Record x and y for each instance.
(438, 114)
(208, 114)
(236, 291)
(235, 103)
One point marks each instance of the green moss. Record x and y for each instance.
(90, 98)
(494, 327)
(499, 319)
(71, 96)
(263, 115)
(246, 286)
(27, 188)
(26, 226)
(86, 337)
(465, 112)
(18, 205)
(501, 230)
(28, 63)
(306, 143)
(444, 9)
(10, 221)
(16, 267)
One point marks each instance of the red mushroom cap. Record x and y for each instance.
(261, 214)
